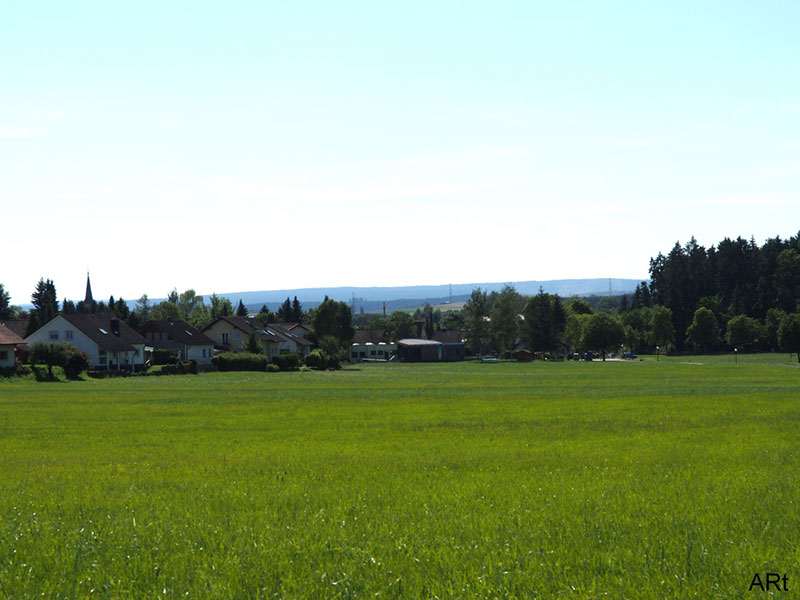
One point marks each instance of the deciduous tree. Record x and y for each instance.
(703, 332)
(476, 320)
(662, 331)
(789, 334)
(744, 332)
(505, 319)
(603, 332)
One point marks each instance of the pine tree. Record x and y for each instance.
(45, 301)
(67, 307)
(297, 311)
(285, 311)
(5, 303)
(241, 311)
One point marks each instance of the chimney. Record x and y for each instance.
(115, 326)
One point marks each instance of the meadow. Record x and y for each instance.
(667, 479)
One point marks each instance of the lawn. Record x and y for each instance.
(587, 480)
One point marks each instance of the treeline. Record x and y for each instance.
(542, 323)
(734, 294)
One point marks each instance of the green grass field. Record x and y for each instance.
(619, 480)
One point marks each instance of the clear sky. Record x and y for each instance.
(230, 146)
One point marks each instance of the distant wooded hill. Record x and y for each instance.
(371, 299)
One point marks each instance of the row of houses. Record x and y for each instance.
(113, 345)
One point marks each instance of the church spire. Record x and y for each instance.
(88, 298)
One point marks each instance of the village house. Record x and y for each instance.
(296, 329)
(8, 346)
(109, 342)
(231, 333)
(180, 339)
(292, 336)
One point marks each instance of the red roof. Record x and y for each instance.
(9, 337)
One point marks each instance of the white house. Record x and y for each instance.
(291, 338)
(299, 329)
(231, 333)
(8, 344)
(110, 343)
(180, 338)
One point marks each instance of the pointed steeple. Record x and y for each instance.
(88, 299)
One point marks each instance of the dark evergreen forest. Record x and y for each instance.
(736, 282)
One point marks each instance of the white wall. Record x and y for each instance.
(9, 350)
(63, 327)
(196, 353)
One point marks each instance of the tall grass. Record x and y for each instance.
(616, 480)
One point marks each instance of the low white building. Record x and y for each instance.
(369, 351)
(109, 342)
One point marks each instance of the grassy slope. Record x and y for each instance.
(632, 480)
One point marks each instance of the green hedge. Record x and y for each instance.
(182, 368)
(161, 356)
(289, 361)
(240, 361)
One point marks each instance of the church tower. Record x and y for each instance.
(88, 300)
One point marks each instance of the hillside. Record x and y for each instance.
(371, 299)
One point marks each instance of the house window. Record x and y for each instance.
(68, 334)
(53, 336)
(103, 357)
(225, 338)
(204, 352)
(3, 354)
(237, 337)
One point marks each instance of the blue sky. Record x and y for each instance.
(252, 145)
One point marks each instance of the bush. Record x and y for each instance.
(161, 356)
(273, 368)
(73, 360)
(76, 362)
(287, 362)
(240, 361)
(321, 360)
(316, 359)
